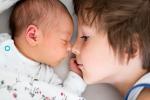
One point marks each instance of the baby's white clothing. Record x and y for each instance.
(20, 77)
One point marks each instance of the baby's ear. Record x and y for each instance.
(33, 35)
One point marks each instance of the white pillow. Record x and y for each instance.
(5, 4)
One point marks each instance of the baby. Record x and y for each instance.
(113, 45)
(41, 33)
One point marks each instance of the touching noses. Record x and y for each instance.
(69, 47)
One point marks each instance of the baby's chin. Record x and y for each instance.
(55, 64)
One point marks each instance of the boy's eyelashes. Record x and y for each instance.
(85, 38)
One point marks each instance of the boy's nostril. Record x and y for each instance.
(73, 55)
(75, 51)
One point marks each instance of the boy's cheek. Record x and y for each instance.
(88, 79)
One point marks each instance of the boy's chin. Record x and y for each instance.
(89, 81)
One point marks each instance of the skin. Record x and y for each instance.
(99, 64)
(144, 95)
(47, 45)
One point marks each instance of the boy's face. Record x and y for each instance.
(94, 55)
(56, 41)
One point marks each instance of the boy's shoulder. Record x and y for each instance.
(144, 95)
(141, 89)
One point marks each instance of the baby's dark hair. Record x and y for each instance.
(126, 22)
(34, 12)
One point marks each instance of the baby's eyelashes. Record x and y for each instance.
(65, 42)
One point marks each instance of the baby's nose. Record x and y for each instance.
(69, 47)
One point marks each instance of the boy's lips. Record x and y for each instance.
(78, 64)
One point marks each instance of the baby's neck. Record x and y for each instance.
(24, 49)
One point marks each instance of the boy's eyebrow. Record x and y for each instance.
(87, 30)
(67, 35)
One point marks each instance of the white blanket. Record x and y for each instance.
(5, 4)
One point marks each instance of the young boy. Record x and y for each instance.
(41, 31)
(113, 45)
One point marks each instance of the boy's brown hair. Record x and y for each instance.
(126, 22)
(41, 13)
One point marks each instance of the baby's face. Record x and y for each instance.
(56, 41)
(94, 55)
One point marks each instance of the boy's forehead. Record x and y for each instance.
(93, 28)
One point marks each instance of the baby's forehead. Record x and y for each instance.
(61, 21)
(59, 17)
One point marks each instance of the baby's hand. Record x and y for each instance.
(74, 67)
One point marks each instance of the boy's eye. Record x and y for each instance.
(85, 38)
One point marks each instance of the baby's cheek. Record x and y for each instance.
(62, 53)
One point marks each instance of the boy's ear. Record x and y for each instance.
(132, 52)
(33, 35)
(134, 49)
(135, 46)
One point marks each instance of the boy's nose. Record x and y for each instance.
(76, 49)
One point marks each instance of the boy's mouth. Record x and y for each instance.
(78, 64)
(76, 61)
